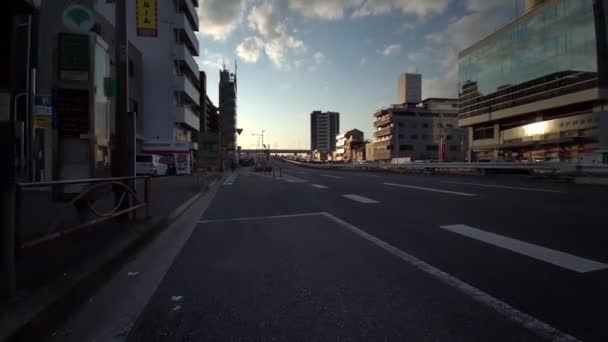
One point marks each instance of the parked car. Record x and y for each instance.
(149, 164)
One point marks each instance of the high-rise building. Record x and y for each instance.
(171, 78)
(409, 89)
(209, 136)
(324, 127)
(535, 89)
(228, 113)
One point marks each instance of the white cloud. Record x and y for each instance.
(407, 27)
(210, 59)
(218, 18)
(266, 19)
(249, 49)
(323, 9)
(363, 61)
(421, 8)
(318, 57)
(435, 37)
(390, 49)
(485, 5)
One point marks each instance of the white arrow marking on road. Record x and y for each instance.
(230, 180)
(360, 199)
(561, 259)
(503, 187)
(330, 176)
(319, 186)
(430, 189)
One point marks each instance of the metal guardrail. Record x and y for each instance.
(125, 202)
(551, 167)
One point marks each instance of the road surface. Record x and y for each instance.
(320, 255)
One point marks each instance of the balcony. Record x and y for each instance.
(189, 93)
(383, 132)
(187, 61)
(187, 6)
(185, 115)
(383, 122)
(186, 34)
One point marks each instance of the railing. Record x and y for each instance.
(84, 201)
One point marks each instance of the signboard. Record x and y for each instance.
(43, 117)
(78, 18)
(147, 18)
(109, 87)
(72, 107)
(73, 57)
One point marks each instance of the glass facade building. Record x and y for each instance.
(509, 79)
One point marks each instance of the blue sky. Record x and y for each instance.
(296, 56)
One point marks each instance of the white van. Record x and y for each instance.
(149, 164)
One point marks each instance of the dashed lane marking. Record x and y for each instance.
(551, 256)
(319, 186)
(361, 199)
(231, 179)
(430, 189)
(331, 176)
(503, 187)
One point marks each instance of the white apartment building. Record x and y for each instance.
(171, 79)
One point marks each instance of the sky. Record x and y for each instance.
(297, 56)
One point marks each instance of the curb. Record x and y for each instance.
(50, 305)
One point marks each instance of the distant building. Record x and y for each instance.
(347, 144)
(409, 88)
(324, 127)
(209, 136)
(228, 115)
(535, 89)
(428, 131)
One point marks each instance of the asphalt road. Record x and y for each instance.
(320, 255)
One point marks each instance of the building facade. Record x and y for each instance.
(228, 116)
(409, 89)
(427, 131)
(209, 136)
(324, 127)
(348, 144)
(535, 90)
(171, 77)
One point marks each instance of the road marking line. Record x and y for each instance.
(330, 176)
(538, 327)
(230, 180)
(551, 256)
(430, 189)
(360, 199)
(503, 187)
(259, 218)
(292, 179)
(319, 186)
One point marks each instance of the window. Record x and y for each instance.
(400, 136)
(425, 137)
(432, 148)
(413, 125)
(131, 69)
(483, 133)
(414, 136)
(406, 148)
(453, 148)
(449, 126)
(439, 125)
(425, 125)
(400, 124)
(448, 137)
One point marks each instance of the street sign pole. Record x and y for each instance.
(123, 160)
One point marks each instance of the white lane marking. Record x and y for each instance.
(360, 199)
(330, 176)
(258, 218)
(292, 179)
(503, 187)
(230, 179)
(551, 256)
(430, 189)
(538, 327)
(319, 186)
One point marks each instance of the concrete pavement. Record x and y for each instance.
(329, 255)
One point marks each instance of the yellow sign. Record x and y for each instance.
(43, 122)
(147, 18)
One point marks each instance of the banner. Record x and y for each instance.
(147, 18)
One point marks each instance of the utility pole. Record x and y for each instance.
(123, 158)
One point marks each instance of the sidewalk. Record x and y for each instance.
(47, 271)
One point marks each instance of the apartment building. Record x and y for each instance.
(170, 75)
(535, 90)
(228, 115)
(324, 127)
(350, 146)
(426, 131)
